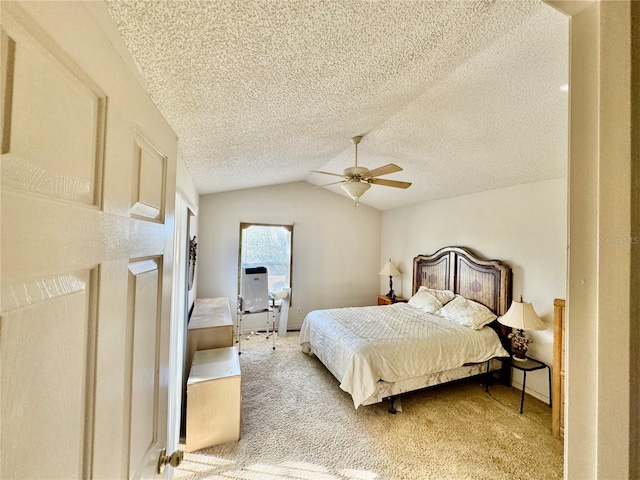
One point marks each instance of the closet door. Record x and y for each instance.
(88, 182)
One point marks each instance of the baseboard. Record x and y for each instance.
(534, 393)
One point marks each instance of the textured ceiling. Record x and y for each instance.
(464, 95)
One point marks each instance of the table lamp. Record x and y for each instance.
(521, 316)
(390, 269)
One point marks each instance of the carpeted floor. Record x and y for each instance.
(298, 424)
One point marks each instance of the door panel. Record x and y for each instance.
(87, 249)
(143, 331)
(50, 100)
(49, 412)
(148, 180)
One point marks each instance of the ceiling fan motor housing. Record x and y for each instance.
(359, 173)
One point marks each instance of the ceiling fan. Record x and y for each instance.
(357, 180)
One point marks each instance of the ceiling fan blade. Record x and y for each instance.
(390, 183)
(328, 173)
(385, 170)
(325, 185)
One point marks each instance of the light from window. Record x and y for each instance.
(267, 246)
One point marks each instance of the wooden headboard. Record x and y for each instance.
(467, 273)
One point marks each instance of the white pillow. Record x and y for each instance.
(467, 312)
(425, 301)
(444, 296)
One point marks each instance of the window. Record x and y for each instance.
(267, 246)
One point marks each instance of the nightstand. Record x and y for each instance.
(384, 300)
(530, 365)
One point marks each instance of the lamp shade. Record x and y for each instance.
(522, 316)
(390, 269)
(355, 189)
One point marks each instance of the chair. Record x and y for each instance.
(254, 298)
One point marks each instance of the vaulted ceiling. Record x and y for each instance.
(465, 96)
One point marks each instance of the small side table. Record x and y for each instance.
(530, 365)
(384, 300)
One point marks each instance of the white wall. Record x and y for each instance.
(186, 187)
(186, 201)
(523, 225)
(187, 190)
(602, 423)
(336, 247)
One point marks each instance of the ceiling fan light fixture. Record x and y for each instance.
(357, 180)
(355, 189)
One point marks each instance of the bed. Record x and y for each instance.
(380, 352)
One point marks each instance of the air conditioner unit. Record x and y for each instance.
(255, 290)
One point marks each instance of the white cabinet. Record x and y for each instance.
(210, 326)
(214, 399)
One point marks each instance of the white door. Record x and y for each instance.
(88, 185)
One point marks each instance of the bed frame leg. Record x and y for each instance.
(395, 405)
(488, 377)
(392, 408)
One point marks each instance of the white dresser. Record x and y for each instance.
(210, 326)
(214, 398)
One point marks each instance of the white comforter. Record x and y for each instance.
(362, 345)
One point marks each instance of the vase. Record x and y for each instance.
(520, 354)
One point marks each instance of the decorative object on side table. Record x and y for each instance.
(521, 316)
(390, 269)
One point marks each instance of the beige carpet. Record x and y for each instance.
(298, 424)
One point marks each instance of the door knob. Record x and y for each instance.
(174, 459)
